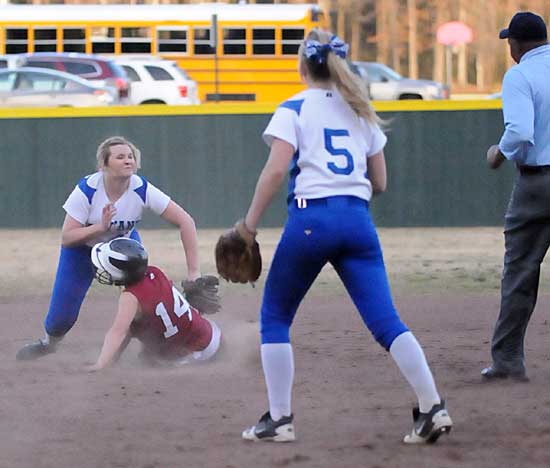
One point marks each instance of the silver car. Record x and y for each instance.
(39, 87)
(386, 84)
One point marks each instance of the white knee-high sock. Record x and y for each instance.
(410, 358)
(278, 364)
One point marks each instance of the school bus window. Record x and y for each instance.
(202, 42)
(74, 34)
(45, 39)
(234, 41)
(103, 40)
(292, 38)
(135, 40)
(172, 40)
(263, 41)
(74, 40)
(16, 40)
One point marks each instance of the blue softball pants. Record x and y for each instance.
(340, 231)
(75, 273)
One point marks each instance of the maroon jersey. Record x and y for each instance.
(168, 327)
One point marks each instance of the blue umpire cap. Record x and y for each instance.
(525, 26)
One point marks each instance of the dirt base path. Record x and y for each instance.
(351, 404)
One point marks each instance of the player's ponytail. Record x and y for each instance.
(324, 56)
(352, 88)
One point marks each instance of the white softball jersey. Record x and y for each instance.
(331, 141)
(86, 202)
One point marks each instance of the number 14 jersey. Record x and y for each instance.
(167, 326)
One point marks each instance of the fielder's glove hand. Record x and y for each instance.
(202, 294)
(238, 257)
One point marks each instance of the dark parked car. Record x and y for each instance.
(101, 70)
(386, 84)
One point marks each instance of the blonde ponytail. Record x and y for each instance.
(352, 88)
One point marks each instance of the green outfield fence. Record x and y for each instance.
(208, 158)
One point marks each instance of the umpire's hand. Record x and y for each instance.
(495, 157)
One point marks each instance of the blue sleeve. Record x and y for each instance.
(519, 116)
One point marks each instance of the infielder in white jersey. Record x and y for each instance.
(103, 206)
(329, 136)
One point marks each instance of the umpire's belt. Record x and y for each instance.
(336, 201)
(530, 170)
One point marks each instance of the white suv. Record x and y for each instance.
(157, 81)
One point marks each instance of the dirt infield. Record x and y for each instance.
(351, 404)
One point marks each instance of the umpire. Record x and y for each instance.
(526, 142)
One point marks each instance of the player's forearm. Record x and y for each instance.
(111, 345)
(190, 242)
(81, 235)
(268, 184)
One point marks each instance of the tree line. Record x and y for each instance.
(402, 34)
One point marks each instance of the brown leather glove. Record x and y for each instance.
(202, 294)
(238, 257)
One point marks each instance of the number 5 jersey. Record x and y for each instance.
(331, 143)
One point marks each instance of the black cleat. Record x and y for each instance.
(271, 431)
(492, 374)
(34, 350)
(429, 426)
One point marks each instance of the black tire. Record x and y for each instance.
(409, 96)
(153, 101)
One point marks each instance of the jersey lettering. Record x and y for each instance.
(124, 225)
(337, 152)
(181, 307)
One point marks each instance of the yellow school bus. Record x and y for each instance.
(251, 58)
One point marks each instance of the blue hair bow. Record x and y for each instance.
(317, 52)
